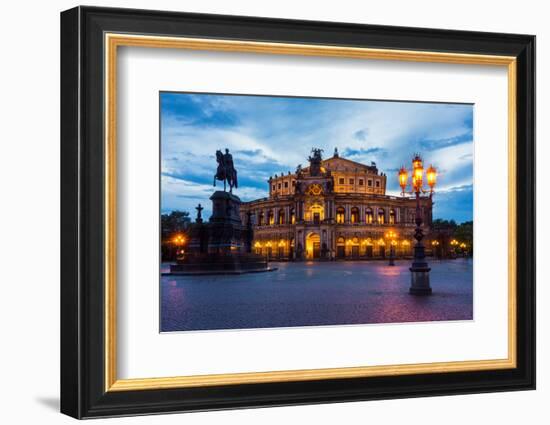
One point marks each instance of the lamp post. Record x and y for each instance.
(420, 272)
(391, 235)
(454, 244)
(435, 244)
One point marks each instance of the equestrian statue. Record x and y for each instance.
(226, 171)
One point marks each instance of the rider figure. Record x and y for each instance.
(226, 170)
(228, 162)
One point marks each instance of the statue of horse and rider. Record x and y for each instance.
(226, 171)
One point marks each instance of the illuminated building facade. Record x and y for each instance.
(333, 209)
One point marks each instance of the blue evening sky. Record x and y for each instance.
(269, 135)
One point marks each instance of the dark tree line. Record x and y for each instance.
(463, 232)
(172, 225)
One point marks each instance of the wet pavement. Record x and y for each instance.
(313, 294)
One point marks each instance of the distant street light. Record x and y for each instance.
(179, 241)
(420, 272)
(435, 244)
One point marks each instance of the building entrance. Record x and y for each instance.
(313, 246)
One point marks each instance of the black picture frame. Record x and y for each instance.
(83, 392)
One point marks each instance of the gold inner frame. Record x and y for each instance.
(113, 41)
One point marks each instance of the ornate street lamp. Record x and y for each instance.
(391, 235)
(420, 272)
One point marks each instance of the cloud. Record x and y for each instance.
(360, 152)
(454, 203)
(361, 134)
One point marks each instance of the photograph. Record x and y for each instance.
(280, 211)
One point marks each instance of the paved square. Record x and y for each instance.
(314, 294)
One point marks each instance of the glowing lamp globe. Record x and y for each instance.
(431, 175)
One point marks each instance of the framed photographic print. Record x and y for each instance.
(261, 212)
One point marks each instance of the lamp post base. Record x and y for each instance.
(420, 291)
(420, 281)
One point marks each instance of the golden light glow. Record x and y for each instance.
(313, 210)
(418, 171)
(405, 243)
(312, 240)
(463, 245)
(179, 239)
(368, 216)
(394, 243)
(435, 243)
(454, 242)
(258, 245)
(381, 242)
(403, 178)
(431, 175)
(391, 235)
(340, 215)
(281, 243)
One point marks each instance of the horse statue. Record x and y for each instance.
(226, 171)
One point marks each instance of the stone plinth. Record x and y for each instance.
(220, 246)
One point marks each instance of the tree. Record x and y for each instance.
(465, 233)
(440, 224)
(175, 222)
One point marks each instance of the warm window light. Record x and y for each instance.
(381, 242)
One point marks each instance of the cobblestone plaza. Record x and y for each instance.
(316, 294)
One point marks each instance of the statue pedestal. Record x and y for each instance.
(219, 246)
(226, 232)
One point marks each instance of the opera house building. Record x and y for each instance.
(333, 209)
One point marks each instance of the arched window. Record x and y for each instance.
(369, 216)
(354, 215)
(261, 218)
(281, 218)
(270, 218)
(340, 215)
(392, 216)
(292, 216)
(381, 216)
